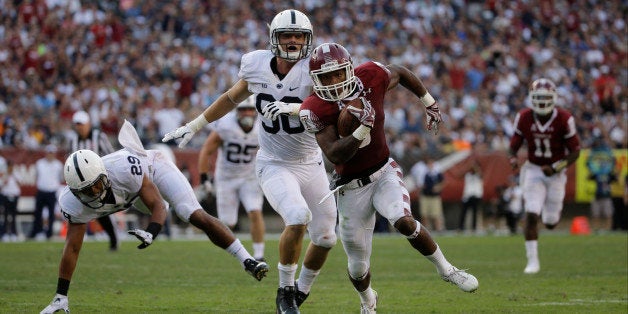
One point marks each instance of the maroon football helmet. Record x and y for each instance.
(327, 58)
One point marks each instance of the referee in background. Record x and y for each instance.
(86, 137)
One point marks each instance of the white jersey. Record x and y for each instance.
(285, 138)
(236, 156)
(125, 171)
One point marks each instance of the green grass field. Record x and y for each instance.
(579, 274)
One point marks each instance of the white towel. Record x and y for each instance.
(129, 139)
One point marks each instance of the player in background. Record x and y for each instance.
(553, 145)
(86, 137)
(367, 179)
(103, 186)
(235, 137)
(289, 163)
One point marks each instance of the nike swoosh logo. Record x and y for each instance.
(292, 88)
(320, 162)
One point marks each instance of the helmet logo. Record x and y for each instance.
(76, 167)
(329, 63)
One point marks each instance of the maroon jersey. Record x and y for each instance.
(374, 79)
(549, 142)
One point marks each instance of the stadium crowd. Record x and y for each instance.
(160, 63)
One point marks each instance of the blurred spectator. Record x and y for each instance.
(601, 166)
(430, 200)
(49, 178)
(605, 91)
(9, 195)
(3, 166)
(471, 196)
(417, 173)
(3, 178)
(169, 117)
(514, 196)
(510, 204)
(620, 219)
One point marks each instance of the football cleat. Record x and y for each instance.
(256, 269)
(59, 304)
(286, 303)
(369, 308)
(300, 296)
(533, 267)
(459, 277)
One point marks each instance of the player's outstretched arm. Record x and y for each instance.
(73, 244)
(149, 194)
(209, 147)
(401, 75)
(225, 103)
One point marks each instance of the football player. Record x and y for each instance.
(367, 179)
(103, 186)
(553, 145)
(234, 136)
(289, 164)
(87, 137)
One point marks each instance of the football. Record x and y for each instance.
(347, 123)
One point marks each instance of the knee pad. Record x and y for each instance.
(359, 269)
(326, 240)
(297, 217)
(416, 232)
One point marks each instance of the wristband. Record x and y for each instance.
(427, 99)
(559, 165)
(153, 228)
(361, 132)
(197, 123)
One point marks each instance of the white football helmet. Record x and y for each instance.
(86, 176)
(290, 21)
(245, 119)
(330, 57)
(543, 96)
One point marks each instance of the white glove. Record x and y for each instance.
(184, 133)
(59, 303)
(433, 117)
(275, 108)
(144, 236)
